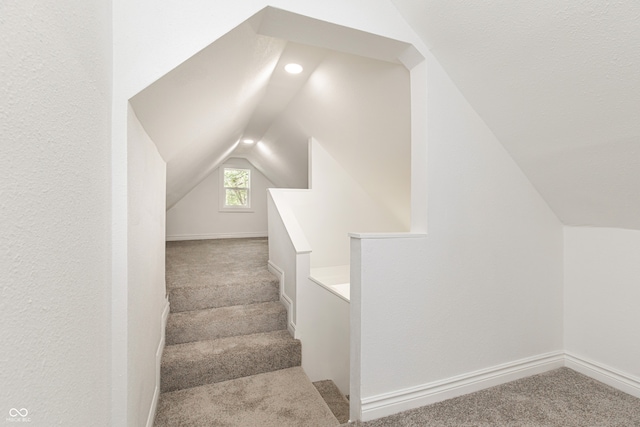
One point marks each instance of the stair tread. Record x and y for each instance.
(280, 398)
(335, 400)
(196, 363)
(214, 323)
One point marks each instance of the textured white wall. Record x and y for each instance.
(55, 69)
(198, 216)
(484, 287)
(146, 252)
(602, 290)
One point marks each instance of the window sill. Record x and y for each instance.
(236, 210)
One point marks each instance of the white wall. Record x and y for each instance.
(335, 206)
(55, 69)
(576, 138)
(359, 109)
(319, 220)
(289, 251)
(482, 290)
(198, 215)
(323, 327)
(602, 290)
(147, 301)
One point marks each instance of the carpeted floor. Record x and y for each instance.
(218, 273)
(559, 398)
(195, 263)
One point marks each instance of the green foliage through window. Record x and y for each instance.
(236, 187)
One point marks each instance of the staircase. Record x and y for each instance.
(229, 359)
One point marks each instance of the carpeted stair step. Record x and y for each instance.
(284, 398)
(335, 400)
(224, 294)
(214, 323)
(203, 362)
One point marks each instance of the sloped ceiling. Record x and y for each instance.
(236, 89)
(559, 84)
(196, 113)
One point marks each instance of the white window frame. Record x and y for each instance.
(223, 192)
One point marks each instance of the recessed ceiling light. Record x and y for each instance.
(293, 68)
(248, 141)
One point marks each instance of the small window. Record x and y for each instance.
(236, 188)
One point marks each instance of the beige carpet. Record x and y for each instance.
(205, 274)
(229, 359)
(559, 398)
(336, 401)
(284, 398)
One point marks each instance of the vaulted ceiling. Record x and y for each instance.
(558, 82)
(352, 97)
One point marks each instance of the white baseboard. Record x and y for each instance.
(291, 326)
(156, 394)
(426, 394)
(284, 299)
(238, 235)
(605, 374)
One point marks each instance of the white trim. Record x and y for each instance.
(156, 394)
(291, 326)
(329, 288)
(330, 278)
(426, 394)
(236, 210)
(284, 299)
(407, 235)
(238, 235)
(605, 374)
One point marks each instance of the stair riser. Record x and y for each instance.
(200, 298)
(241, 362)
(213, 324)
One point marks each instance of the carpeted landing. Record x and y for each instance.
(229, 359)
(559, 398)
